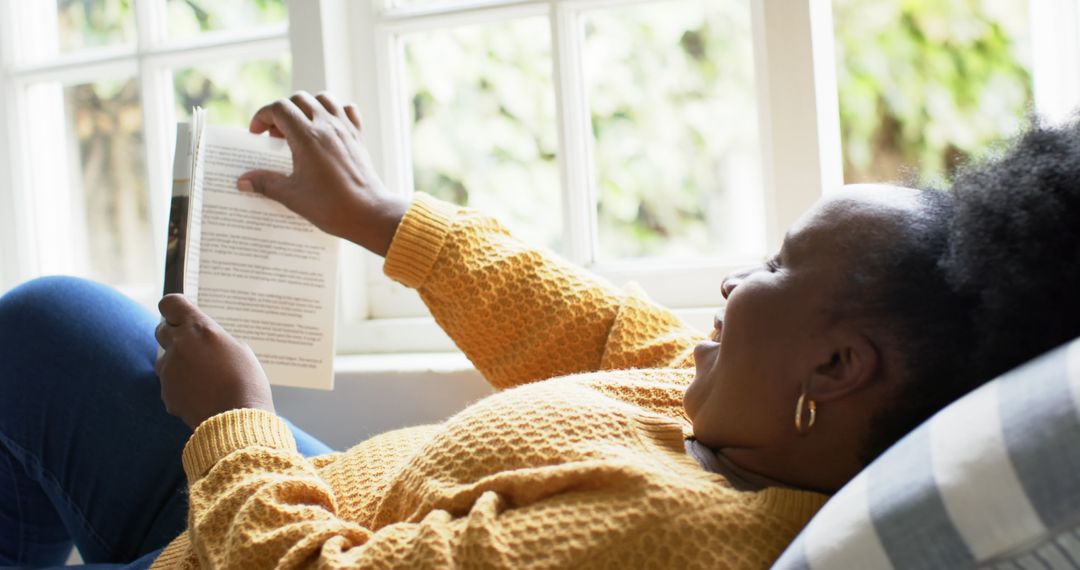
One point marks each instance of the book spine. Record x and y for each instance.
(177, 242)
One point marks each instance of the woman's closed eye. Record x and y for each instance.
(773, 264)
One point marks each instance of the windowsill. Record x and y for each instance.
(439, 363)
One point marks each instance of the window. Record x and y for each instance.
(661, 141)
(92, 90)
(925, 87)
(628, 136)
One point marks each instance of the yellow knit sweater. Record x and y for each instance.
(577, 462)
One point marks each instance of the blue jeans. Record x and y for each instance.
(88, 456)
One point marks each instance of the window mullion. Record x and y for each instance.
(360, 66)
(576, 165)
(1055, 34)
(47, 183)
(322, 38)
(799, 120)
(14, 238)
(379, 72)
(45, 198)
(150, 25)
(396, 137)
(36, 33)
(319, 44)
(156, 94)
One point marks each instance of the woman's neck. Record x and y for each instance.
(797, 468)
(717, 462)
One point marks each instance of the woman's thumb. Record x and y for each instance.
(270, 184)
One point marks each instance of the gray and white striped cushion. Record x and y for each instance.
(992, 481)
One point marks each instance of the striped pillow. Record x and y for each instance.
(992, 481)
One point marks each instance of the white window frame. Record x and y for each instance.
(1055, 36)
(39, 214)
(798, 116)
(345, 46)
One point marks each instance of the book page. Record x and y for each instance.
(193, 236)
(267, 276)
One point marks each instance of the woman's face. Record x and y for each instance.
(776, 329)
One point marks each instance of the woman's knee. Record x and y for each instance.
(34, 295)
(38, 301)
(61, 310)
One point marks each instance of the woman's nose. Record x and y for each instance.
(730, 283)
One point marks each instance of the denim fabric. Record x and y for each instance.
(88, 456)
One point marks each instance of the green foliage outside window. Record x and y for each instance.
(231, 91)
(94, 23)
(190, 17)
(925, 85)
(674, 117)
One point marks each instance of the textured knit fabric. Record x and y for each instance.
(577, 462)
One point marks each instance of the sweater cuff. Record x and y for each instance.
(231, 431)
(419, 239)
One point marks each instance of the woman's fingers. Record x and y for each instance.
(176, 309)
(353, 115)
(330, 104)
(164, 334)
(282, 115)
(159, 364)
(308, 104)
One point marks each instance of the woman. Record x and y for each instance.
(648, 447)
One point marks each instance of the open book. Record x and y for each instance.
(265, 274)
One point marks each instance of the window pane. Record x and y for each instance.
(925, 85)
(231, 91)
(105, 126)
(671, 88)
(94, 23)
(483, 112)
(191, 17)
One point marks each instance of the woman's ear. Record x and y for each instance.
(849, 367)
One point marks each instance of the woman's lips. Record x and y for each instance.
(702, 350)
(718, 325)
(704, 347)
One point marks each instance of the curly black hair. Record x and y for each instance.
(984, 278)
(1015, 245)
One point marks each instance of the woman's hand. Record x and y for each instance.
(333, 183)
(204, 371)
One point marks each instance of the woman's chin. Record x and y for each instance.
(695, 395)
(706, 357)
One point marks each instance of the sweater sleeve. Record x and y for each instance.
(522, 313)
(255, 502)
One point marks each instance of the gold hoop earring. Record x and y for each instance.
(798, 413)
